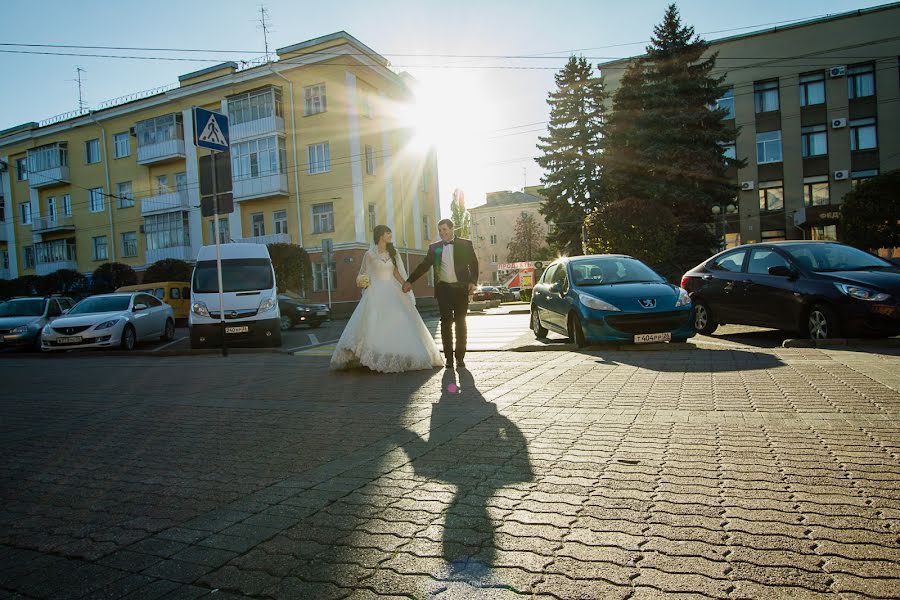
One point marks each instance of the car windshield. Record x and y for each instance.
(612, 270)
(30, 307)
(100, 304)
(835, 257)
(238, 275)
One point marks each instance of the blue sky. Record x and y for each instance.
(494, 155)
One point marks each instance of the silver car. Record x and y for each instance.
(22, 319)
(109, 321)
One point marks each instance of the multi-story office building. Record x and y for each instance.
(320, 154)
(494, 227)
(817, 108)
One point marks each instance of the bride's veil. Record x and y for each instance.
(402, 268)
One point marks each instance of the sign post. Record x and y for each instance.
(211, 132)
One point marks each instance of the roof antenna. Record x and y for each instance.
(82, 105)
(264, 24)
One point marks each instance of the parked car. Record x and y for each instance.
(109, 321)
(294, 312)
(487, 292)
(176, 294)
(609, 298)
(506, 294)
(22, 319)
(820, 289)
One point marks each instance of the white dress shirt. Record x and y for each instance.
(448, 270)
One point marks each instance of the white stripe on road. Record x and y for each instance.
(169, 344)
(313, 340)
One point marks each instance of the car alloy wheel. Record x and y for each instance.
(128, 338)
(703, 320)
(285, 323)
(169, 333)
(822, 323)
(539, 331)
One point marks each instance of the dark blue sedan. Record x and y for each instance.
(609, 298)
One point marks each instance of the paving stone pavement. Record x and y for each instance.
(713, 473)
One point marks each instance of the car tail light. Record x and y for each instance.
(684, 281)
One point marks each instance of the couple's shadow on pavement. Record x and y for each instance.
(476, 449)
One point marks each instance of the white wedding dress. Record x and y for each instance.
(385, 332)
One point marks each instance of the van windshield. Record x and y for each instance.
(238, 275)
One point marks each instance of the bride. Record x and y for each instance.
(385, 332)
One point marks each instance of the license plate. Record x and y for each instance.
(647, 338)
(321, 313)
(241, 329)
(69, 340)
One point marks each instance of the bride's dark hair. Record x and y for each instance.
(380, 230)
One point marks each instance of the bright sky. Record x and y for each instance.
(486, 119)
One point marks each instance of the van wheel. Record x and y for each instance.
(129, 338)
(169, 332)
(285, 323)
(539, 331)
(703, 319)
(823, 323)
(576, 333)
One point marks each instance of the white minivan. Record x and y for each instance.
(250, 297)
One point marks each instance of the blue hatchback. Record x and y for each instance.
(609, 298)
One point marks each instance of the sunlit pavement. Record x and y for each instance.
(718, 472)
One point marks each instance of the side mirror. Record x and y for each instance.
(781, 271)
(66, 311)
(556, 288)
(140, 307)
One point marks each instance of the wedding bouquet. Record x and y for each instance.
(362, 281)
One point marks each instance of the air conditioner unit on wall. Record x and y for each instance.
(838, 123)
(746, 185)
(837, 71)
(841, 175)
(142, 229)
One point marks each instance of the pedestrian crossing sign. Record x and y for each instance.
(210, 130)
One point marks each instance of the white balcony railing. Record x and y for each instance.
(49, 177)
(160, 152)
(256, 128)
(260, 187)
(55, 223)
(179, 252)
(45, 268)
(274, 238)
(165, 203)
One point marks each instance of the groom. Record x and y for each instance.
(455, 273)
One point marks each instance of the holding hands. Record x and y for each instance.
(406, 286)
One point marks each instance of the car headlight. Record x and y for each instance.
(861, 293)
(46, 330)
(199, 308)
(597, 303)
(19, 329)
(683, 298)
(107, 324)
(267, 305)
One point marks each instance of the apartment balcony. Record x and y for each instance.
(45, 268)
(41, 225)
(260, 187)
(162, 203)
(258, 128)
(161, 152)
(275, 238)
(49, 177)
(178, 252)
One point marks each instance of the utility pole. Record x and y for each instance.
(524, 178)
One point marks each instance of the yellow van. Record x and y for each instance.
(176, 294)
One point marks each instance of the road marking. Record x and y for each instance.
(326, 349)
(313, 340)
(169, 344)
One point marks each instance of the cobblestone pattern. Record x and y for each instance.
(702, 474)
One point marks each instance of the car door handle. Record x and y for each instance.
(707, 277)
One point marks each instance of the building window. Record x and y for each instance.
(122, 144)
(370, 160)
(426, 228)
(323, 217)
(181, 182)
(493, 259)
(96, 201)
(729, 151)
(29, 257)
(257, 158)
(257, 224)
(857, 177)
(5, 256)
(768, 147)
(51, 208)
(280, 218)
(125, 194)
(224, 230)
(92, 151)
(812, 89)
(66, 202)
(863, 135)
(167, 230)
(320, 275)
(861, 81)
(771, 196)
(814, 140)
(826, 233)
(314, 99)
(726, 103)
(44, 158)
(159, 130)
(101, 250)
(25, 213)
(493, 220)
(129, 244)
(162, 184)
(765, 95)
(21, 169)
(319, 158)
(54, 251)
(254, 106)
(493, 239)
(373, 217)
(816, 191)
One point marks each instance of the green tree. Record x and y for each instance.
(66, 280)
(293, 269)
(110, 276)
(528, 240)
(870, 214)
(571, 152)
(459, 215)
(168, 269)
(664, 143)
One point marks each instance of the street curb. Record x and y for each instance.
(661, 347)
(839, 342)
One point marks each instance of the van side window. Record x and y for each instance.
(160, 293)
(174, 294)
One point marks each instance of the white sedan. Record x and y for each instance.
(109, 321)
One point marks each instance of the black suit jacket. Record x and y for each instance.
(465, 262)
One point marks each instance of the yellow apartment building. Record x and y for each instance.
(320, 154)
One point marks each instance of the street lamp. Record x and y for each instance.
(721, 213)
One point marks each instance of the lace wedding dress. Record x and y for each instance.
(385, 332)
